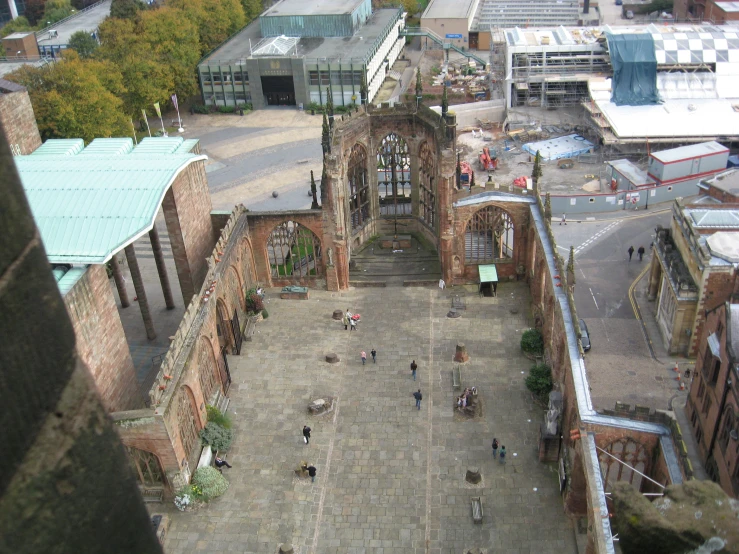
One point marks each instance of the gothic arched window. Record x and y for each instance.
(293, 251)
(427, 182)
(359, 199)
(394, 176)
(489, 236)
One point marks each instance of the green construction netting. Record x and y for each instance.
(634, 69)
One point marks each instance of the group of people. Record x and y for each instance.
(311, 469)
(495, 451)
(349, 321)
(463, 399)
(639, 252)
(373, 353)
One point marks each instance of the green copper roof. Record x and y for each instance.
(89, 203)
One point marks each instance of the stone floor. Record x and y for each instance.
(390, 477)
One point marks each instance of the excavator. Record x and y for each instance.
(488, 161)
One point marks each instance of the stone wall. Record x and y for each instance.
(187, 207)
(18, 119)
(101, 341)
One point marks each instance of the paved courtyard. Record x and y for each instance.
(390, 477)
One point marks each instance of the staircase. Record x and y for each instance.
(373, 266)
(424, 32)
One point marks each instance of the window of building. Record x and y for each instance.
(489, 236)
(219, 96)
(346, 78)
(205, 75)
(359, 198)
(698, 434)
(394, 176)
(427, 181)
(294, 251)
(716, 370)
(324, 78)
(701, 388)
(216, 77)
(357, 77)
(727, 427)
(719, 330)
(707, 362)
(313, 78)
(241, 76)
(707, 404)
(694, 416)
(335, 78)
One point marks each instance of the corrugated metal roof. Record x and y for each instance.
(87, 207)
(67, 278)
(108, 147)
(713, 218)
(60, 147)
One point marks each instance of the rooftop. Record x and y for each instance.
(724, 245)
(449, 9)
(633, 173)
(691, 151)
(702, 218)
(85, 20)
(554, 36)
(89, 203)
(312, 7)
(728, 181)
(727, 6)
(524, 13)
(356, 47)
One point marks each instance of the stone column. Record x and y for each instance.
(655, 275)
(156, 247)
(120, 284)
(138, 285)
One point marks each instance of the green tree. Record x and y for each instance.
(125, 9)
(252, 8)
(75, 99)
(444, 103)
(83, 43)
(410, 6)
(571, 267)
(19, 24)
(537, 171)
(216, 20)
(325, 139)
(56, 10)
(34, 11)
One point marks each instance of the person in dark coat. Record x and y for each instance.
(641, 252)
(631, 252)
(306, 434)
(312, 472)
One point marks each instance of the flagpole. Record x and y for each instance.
(159, 113)
(177, 107)
(146, 120)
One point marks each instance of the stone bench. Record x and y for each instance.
(456, 378)
(476, 509)
(294, 293)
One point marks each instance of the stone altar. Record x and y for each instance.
(294, 293)
(399, 242)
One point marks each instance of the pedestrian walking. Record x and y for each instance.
(495, 448)
(502, 454)
(306, 434)
(345, 321)
(373, 353)
(352, 324)
(312, 472)
(414, 367)
(641, 252)
(564, 219)
(631, 252)
(364, 357)
(220, 462)
(418, 396)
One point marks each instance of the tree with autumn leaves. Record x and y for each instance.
(145, 56)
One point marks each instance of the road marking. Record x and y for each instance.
(597, 235)
(594, 301)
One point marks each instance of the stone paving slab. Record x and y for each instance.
(390, 477)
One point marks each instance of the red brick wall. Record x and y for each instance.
(187, 210)
(141, 429)
(101, 341)
(19, 121)
(260, 227)
(717, 289)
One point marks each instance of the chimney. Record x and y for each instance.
(585, 8)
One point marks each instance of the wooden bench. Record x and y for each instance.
(476, 509)
(456, 378)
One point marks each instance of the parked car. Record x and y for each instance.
(619, 2)
(585, 337)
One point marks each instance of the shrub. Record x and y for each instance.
(201, 109)
(227, 109)
(218, 417)
(539, 381)
(187, 496)
(216, 436)
(315, 106)
(254, 302)
(265, 313)
(532, 342)
(210, 481)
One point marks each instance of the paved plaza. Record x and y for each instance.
(390, 477)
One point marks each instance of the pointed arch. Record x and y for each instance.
(234, 288)
(207, 369)
(489, 236)
(294, 251)
(427, 185)
(188, 423)
(631, 453)
(358, 182)
(394, 176)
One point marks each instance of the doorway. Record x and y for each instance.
(474, 38)
(279, 91)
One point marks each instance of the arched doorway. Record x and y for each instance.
(226, 338)
(427, 185)
(488, 236)
(359, 197)
(207, 370)
(394, 176)
(628, 451)
(147, 468)
(294, 251)
(188, 425)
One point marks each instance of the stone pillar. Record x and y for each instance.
(460, 355)
(655, 276)
(53, 413)
(120, 284)
(413, 145)
(138, 285)
(156, 247)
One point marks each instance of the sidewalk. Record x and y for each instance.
(618, 214)
(659, 352)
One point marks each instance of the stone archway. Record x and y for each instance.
(188, 425)
(223, 325)
(394, 176)
(427, 185)
(147, 467)
(208, 373)
(359, 187)
(629, 451)
(489, 236)
(294, 252)
(234, 289)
